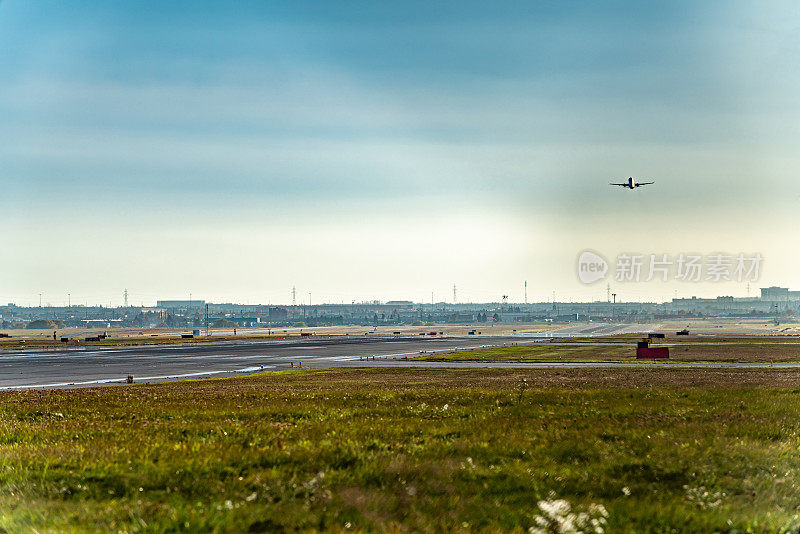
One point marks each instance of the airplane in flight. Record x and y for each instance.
(630, 184)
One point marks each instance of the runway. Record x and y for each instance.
(83, 367)
(86, 367)
(603, 329)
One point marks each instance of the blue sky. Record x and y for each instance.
(385, 150)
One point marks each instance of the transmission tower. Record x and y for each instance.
(454, 294)
(125, 297)
(526, 291)
(294, 296)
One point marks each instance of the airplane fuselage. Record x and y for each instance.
(630, 184)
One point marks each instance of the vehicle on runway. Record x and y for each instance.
(630, 184)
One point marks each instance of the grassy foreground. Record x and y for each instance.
(752, 350)
(408, 450)
(543, 352)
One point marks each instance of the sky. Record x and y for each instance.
(386, 150)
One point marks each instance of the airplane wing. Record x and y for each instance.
(644, 183)
(623, 185)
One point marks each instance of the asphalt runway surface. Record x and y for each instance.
(81, 367)
(84, 367)
(604, 329)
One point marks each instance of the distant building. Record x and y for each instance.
(245, 321)
(278, 314)
(181, 304)
(775, 293)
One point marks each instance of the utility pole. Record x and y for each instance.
(69, 300)
(454, 294)
(612, 309)
(207, 333)
(40, 300)
(526, 291)
(294, 296)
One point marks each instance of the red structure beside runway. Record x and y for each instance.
(650, 353)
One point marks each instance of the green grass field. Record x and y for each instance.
(747, 350)
(545, 352)
(408, 450)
